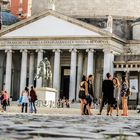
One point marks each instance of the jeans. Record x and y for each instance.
(32, 106)
(4, 105)
(26, 107)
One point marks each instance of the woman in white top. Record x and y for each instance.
(116, 93)
(25, 99)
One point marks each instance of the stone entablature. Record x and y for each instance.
(126, 66)
(60, 43)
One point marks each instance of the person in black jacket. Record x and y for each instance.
(108, 91)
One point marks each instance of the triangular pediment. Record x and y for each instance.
(52, 24)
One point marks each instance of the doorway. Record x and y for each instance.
(65, 81)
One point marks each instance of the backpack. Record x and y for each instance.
(128, 92)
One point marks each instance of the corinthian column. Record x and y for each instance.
(39, 58)
(90, 61)
(8, 71)
(79, 73)
(108, 62)
(72, 87)
(23, 75)
(31, 69)
(56, 72)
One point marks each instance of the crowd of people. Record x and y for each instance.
(63, 103)
(114, 94)
(27, 98)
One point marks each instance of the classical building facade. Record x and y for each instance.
(73, 48)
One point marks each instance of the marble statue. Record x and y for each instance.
(51, 4)
(110, 24)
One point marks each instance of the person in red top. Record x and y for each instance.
(33, 98)
(5, 100)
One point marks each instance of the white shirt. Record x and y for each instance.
(25, 97)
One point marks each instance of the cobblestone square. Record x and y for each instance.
(67, 124)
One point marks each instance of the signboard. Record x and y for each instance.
(47, 96)
(50, 99)
(134, 89)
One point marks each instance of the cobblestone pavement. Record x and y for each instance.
(70, 127)
(62, 124)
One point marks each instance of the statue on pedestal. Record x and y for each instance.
(44, 72)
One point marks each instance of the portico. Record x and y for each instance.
(68, 41)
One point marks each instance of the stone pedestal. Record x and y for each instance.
(47, 96)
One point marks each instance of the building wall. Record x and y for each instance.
(25, 5)
(92, 8)
(14, 7)
(121, 27)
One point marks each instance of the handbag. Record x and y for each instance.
(88, 98)
(128, 92)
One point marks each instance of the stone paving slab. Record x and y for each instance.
(29, 126)
(62, 124)
(14, 108)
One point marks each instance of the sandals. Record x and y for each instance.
(99, 114)
(124, 114)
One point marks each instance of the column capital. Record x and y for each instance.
(90, 50)
(24, 50)
(73, 50)
(31, 52)
(10, 51)
(56, 50)
(107, 50)
(40, 50)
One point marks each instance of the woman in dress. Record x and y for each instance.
(124, 89)
(116, 94)
(82, 94)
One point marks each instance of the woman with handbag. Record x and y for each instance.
(90, 96)
(82, 95)
(124, 89)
